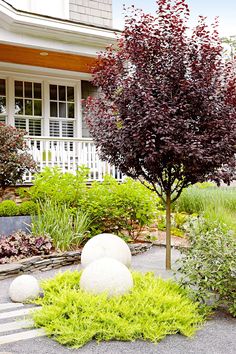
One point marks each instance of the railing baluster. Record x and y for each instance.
(68, 154)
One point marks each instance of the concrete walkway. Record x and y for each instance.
(218, 336)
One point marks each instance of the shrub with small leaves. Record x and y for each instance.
(21, 245)
(119, 208)
(9, 208)
(28, 208)
(209, 266)
(53, 184)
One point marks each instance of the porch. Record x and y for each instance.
(68, 154)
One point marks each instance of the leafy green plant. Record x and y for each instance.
(153, 309)
(28, 208)
(21, 245)
(66, 228)
(209, 265)
(9, 208)
(57, 186)
(119, 207)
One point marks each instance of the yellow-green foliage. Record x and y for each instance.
(154, 309)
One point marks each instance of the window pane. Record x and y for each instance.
(37, 108)
(37, 90)
(2, 105)
(53, 109)
(18, 88)
(18, 106)
(53, 92)
(28, 89)
(70, 94)
(62, 110)
(54, 128)
(71, 110)
(28, 108)
(62, 93)
(2, 87)
(34, 127)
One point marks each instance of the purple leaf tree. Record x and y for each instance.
(166, 111)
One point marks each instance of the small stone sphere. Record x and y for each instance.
(24, 288)
(106, 275)
(106, 245)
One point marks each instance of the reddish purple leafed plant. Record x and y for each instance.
(166, 113)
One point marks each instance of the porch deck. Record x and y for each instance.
(69, 154)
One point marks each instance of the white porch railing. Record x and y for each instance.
(68, 154)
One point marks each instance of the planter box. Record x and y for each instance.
(10, 224)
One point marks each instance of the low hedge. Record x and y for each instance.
(10, 208)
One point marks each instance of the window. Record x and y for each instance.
(3, 110)
(87, 90)
(62, 107)
(28, 106)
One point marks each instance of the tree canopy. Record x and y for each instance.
(166, 112)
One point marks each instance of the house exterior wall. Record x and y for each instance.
(94, 12)
(55, 8)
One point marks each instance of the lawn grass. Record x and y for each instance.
(153, 309)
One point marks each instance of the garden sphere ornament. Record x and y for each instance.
(24, 288)
(106, 275)
(106, 245)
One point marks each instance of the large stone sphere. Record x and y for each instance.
(106, 245)
(24, 288)
(106, 275)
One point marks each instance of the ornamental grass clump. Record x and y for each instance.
(152, 310)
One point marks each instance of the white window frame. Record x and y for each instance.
(25, 117)
(4, 115)
(45, 82)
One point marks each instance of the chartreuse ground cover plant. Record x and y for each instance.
(154, 309)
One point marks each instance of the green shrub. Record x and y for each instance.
(9, 208)
(67, 229)
(57, 186)
(28, 208)
(153, 309)
(119, 207)
(209, 265)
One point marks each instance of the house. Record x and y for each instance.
(46, 51)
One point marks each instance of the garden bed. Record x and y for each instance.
(54, 260)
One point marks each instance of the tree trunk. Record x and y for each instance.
(168, 231)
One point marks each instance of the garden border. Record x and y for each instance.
(55, 260)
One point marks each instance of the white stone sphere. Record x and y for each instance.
(106, 245)
(24, 288)
(106, 275)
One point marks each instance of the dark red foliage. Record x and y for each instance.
(167, 110)
(21, 245)
(14, 159)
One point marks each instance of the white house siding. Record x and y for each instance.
(55, 8)
(94, 12)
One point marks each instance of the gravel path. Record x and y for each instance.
(218, 336)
